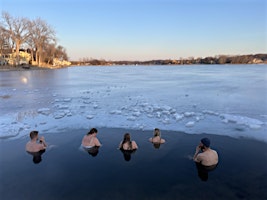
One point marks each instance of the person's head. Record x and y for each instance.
(33, 134)
(127, 137)
(205, 142)
(156, 132)
(92, 131)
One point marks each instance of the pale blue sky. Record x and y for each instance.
(150, 29)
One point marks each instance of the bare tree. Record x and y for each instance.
(17, 28)
(4, 38)
(61, 53)
(50, 52)
(41, 34)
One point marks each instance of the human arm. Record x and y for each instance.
(134, 145)
(196, 157)
(120, 145)
(162, 141)
(43, 143)
(96, 142)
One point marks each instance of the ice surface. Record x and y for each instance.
(225, 100)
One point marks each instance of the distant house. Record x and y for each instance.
(9, 57)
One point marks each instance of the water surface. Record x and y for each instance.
(68, 172)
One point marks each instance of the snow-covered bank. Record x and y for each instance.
(190, 99)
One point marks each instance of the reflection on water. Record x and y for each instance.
(36, 156)
(203, 171)
(24, 80)
(127, 154)
(93, 151)
(165, 173)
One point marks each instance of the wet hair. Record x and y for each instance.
(156, 132)
(127, 139)
(33, 134)
(92, 131)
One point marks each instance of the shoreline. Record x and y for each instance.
(6, 68)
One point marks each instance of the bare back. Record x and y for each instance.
(207, 158)
(157, 139)
(126, 146)
(90, 140)
(32, 146)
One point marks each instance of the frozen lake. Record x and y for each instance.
(215, 99)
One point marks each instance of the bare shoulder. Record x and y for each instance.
(134, 145)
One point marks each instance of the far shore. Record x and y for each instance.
(50, 67)
(26, 67)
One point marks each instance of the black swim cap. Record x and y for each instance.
(206, 142)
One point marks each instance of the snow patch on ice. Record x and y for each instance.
(242, 120)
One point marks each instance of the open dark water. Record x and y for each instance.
(68, 172)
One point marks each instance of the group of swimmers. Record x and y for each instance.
(90, 140)
(203, 154)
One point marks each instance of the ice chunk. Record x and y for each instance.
(131, 118)
(178, 117)
(209, 112)
(166, 108)
(59, 115)
(144, 104)
(67, 100)
(117, 112)
(158, 114)
(136, 114)
(44, 111)
(166, 121)
(61, 106)
(242, 120)
(89, 116)
(189, 114)
(190, 124)
(254, 126)
(166, 112)
(150, 116)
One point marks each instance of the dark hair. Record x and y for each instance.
(127, 139)
(156, 132)
(33, 134)
(205, 142)
(92, 131)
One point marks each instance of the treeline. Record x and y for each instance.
(222, 59)
(36, 36)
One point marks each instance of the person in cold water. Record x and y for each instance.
(206, 159)
(90, 139)
(127, 146)
(36, 147)
(156, 139)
